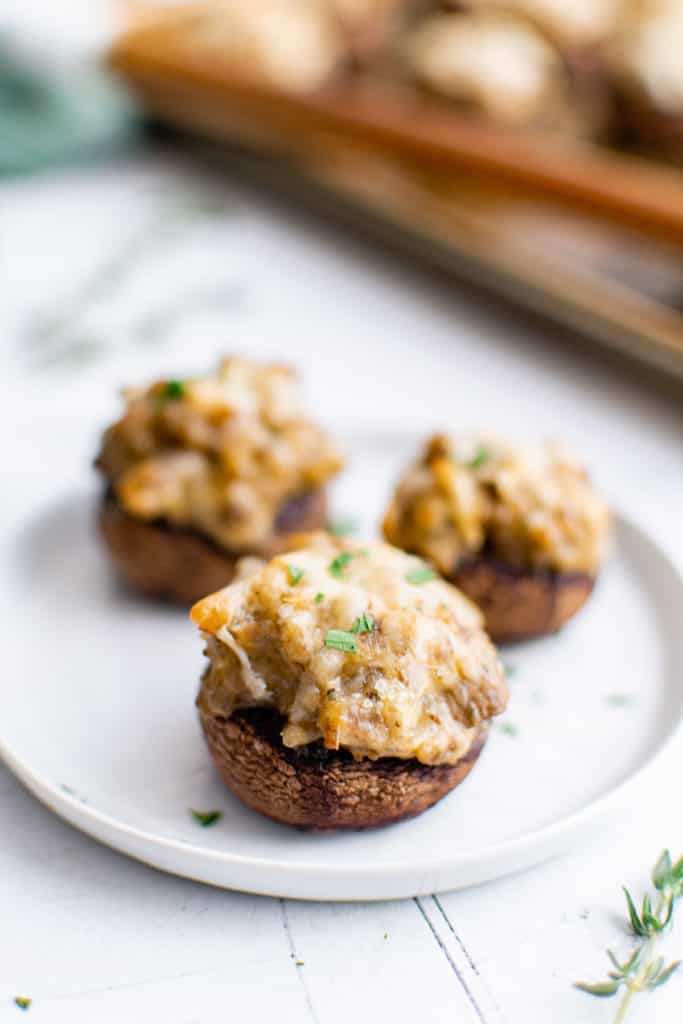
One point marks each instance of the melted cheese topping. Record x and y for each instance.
(220, 453)
(496, 63)
(288, 44)
(530, 507)
(648, 52)
(421, 680)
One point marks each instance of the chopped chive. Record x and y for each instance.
(478, 460)
(343, 527)
(423, 574)
(294, 574)
(509, 729)
(319, 597)
(23, 1002)
(173, 389)
(365, 623)
(509, 670)
(341, 640)
(338, 564)
(206, 818)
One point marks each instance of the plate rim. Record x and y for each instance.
(374, 880)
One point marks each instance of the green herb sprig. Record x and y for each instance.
(365, 623)
(294, 574)
(423, 574)
(23, 1002)
(206, 818)
(343, 527)
(480, 458)
(643, 971)
(338, 564)
(341, 640)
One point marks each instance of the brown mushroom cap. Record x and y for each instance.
(518, 603)
(314, 788)
(182, 565)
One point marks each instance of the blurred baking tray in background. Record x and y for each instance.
(590, 238)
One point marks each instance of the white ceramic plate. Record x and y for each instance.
(98, 719)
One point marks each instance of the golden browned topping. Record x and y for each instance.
(495, 63)
(220, 453)
(362, 647)
(530, 507)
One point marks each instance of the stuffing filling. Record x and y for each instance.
(528, 507)
(221, 454)
(360, 647)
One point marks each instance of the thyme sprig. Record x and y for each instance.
(643, 971)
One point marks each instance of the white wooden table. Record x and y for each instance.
(93, 937)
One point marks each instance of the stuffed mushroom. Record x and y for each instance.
(203, 471)
(520, 530)
(347, 685)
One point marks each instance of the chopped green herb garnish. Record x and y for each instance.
(173, 389)
(478, 460)
(509, 669)
(365, 623)
(299, 963)
(338, 564)
(294, 574)
(509, 729)
(341, 640)
(618, 700)
(23, 1002)
(206, 818)
(343, 527)
(423, 574)
(319, 597)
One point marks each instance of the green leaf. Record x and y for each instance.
(365, 623)
(601, 988)
(23, 1002)
(173, 389)
(665, 974)
(341, 640)
(343, 527)
(206, 818)
(294, 574)
(620, 967)
(662, 874)
(338, 564)
(636, 923)
(633, 962)
(653, 970)
(319, 597)
(479, 459)
(669, 911)
(423, 574)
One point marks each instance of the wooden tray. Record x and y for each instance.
(588, 237)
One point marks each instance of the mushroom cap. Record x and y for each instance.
(519, 604)
(182, 565)
(315, 788)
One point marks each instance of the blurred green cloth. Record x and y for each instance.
(49, 119)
